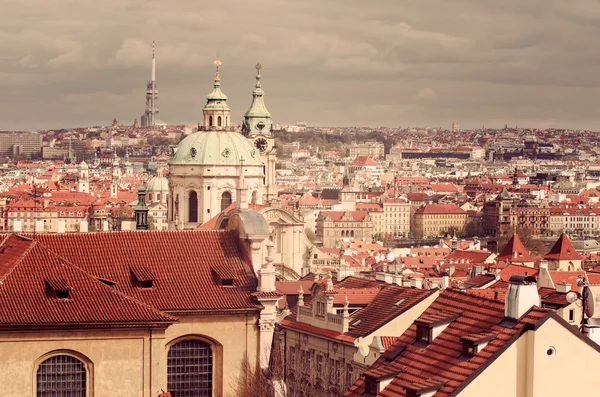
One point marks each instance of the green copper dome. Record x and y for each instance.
(215, 148)
(158, 184)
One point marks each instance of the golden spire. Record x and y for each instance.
(258, 67)
(217, 64)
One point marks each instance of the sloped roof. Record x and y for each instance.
(440, 209)
(563, 250)
(438, 362)
(187, 265)
(513, 269)
(389, 303)
(514, 251)
(31, 273)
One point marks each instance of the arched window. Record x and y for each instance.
(190, 369)
(351, 233)
(193, 207)
(219, 121)
(254, 199)
(210, 121)
(61, 375)
(225, 200)
(343, 233)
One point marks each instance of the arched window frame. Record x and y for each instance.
(226, 193)
(87, 364)
(217, 357)
(210, 121)
(219, 121)
(192, 193)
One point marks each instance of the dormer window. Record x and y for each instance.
(423, 334)
(430, 326)
(59, 288)
(142, 277)
(375, 385)
(474, 343)
(222, 278)
(424, 388)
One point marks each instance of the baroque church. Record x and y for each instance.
(220, 165)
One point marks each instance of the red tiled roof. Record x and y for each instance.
(568, 277)
(563, 250)
(186, 265)
(361, 161)
(389, 303)
(440, 209)
(337, 216)
(468, 256)
(514, 251)
(387, 341)
(512, 269)
(28, 297)
(438, 362)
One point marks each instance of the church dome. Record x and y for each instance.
(215, 148)
(158, 184)
(83, 166)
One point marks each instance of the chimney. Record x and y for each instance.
(445, 281)
(418, 283)
(563, 287)
(522, 295)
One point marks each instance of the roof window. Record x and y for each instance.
(143, 277)
(430, 326)
(474, 343)
(58, 287)
(222, 278)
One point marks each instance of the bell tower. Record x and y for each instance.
(258, 127)
(217, 114)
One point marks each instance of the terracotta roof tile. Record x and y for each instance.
(29, 293)
(182, 265)
(514, 251)
(563, 250)
(438, 363)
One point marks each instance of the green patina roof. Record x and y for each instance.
(158, 184)
(215, 148)
(258, 112)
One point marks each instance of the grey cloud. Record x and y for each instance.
(340, 62)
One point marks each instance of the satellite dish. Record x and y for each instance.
(588, 301)
(571, 296)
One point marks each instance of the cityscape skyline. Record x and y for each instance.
(391, 65)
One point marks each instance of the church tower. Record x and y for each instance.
(217, 114)
(348, 194)
(212, 168)
(258, 127)
(83, 184)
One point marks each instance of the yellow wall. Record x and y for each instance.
(131, 362)
(523, 370)
(21, 352)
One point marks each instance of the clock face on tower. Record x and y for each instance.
(261, 144)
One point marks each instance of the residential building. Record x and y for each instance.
(371, 149)
(465, 345)
(396, 217)
(328, 343)
(433, 220)
(20, 144)
(334, 225)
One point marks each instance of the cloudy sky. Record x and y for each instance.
(66, 63)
